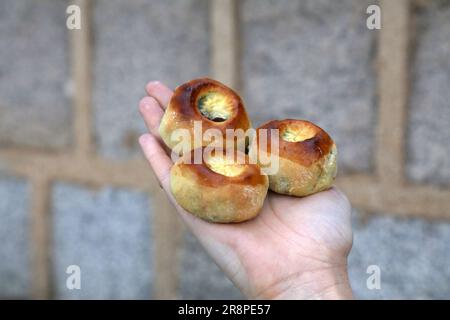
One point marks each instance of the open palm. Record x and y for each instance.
(295, 248)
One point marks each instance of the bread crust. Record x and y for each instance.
(305, 167)
(215, 197)
(183, 110)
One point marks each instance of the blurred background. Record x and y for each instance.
(75, 190)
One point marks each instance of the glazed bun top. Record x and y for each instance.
(213, 168)
(210, 101)
(299, 140)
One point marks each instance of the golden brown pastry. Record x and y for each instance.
(307, 157)
(218, 190)
(211, 103)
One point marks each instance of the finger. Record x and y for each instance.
(161, 164)
(152, 114)
(160, 92)
(158, 159)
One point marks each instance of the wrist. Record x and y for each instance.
(319, 284)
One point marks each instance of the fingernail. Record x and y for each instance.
(143, 139)
(144, 104)
(153, 83)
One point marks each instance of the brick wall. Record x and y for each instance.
(74, 188)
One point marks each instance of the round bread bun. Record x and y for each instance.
(218, 190)
(208, 101)
(307, 157)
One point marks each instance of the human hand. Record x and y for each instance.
(296, 248)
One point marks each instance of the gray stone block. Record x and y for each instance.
(412, 254)
(429, 127)
(137, 41)
(201, 278)
(14, 231)
(34, 70)
(313, 60)
(107, 233)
